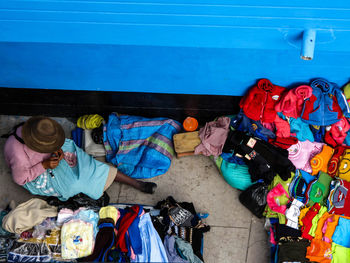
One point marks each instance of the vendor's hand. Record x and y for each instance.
(59, 154)
(50, 163)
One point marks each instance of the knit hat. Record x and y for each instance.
(42, 134)
(320, 161)
(109, 212)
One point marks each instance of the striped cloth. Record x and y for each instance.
(140, 147)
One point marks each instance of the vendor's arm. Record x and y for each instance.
(25, 164)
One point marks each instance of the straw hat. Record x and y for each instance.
(43, 134)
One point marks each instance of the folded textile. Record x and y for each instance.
(125, 222)
(318, 190)
(307, 220)
(27, 215)
(339, 198)
(340, 254)
(320, 161)
(281, 200)
(213, 136)
(341, 235)
(283, 230)
(292, 249)
(299, 185)
(292, 214)
(173, 256)
(344, 166)
(333, 163)
(301, 153)
(105, 240)
(273, 194)
(153, 249)
(319, 251)
(78, 233)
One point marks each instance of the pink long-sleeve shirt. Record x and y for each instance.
(25, 163)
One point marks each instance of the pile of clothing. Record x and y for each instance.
(291, 150)
(36, 231)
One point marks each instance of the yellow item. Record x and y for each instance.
(77, 239)
(109, 212)
(186, 142)
(89, 122)
(303, 212)
(344, 166)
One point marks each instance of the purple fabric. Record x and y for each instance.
(213, 136)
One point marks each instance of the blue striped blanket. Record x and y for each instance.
(140, 147)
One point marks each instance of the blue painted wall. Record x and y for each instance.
(169, 46)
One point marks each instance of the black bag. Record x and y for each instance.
(254, 198)
(80, 200)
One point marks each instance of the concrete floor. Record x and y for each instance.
(235, 236)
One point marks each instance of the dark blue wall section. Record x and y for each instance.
(169, 46)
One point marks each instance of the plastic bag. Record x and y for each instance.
(29, 252)
(41, 230)
(80, 200)
(254, 198)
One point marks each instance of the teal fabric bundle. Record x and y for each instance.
(236, 175)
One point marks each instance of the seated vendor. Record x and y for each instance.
(44, 162)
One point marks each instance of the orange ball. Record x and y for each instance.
(190, 124)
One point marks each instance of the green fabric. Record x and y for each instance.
(340, 254)
(315, 220)
(320, 189)
(282, 199)
(151, 139)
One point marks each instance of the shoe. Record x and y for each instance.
(149, 188)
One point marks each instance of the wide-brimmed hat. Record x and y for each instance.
(43, 134)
